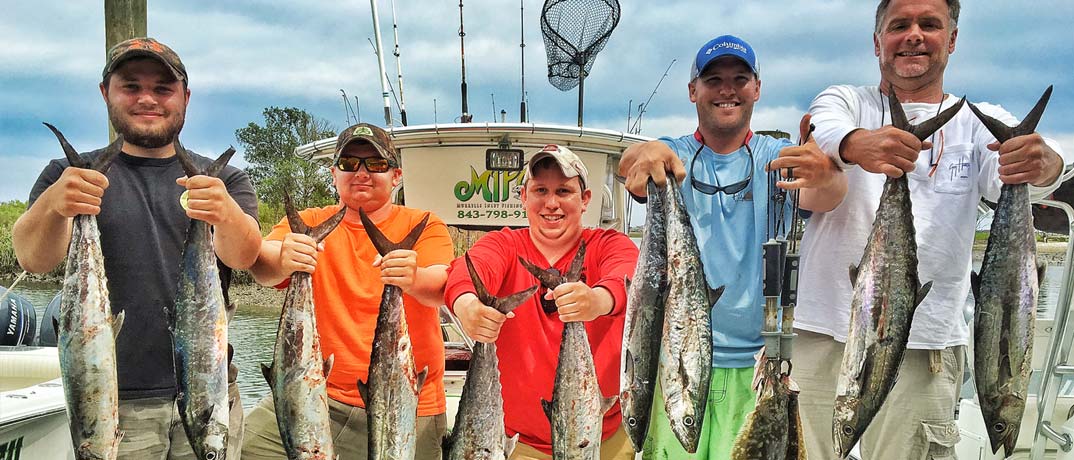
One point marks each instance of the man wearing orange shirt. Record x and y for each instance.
(348, 279)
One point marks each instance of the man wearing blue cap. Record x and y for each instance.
(727, 197)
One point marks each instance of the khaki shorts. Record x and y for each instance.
(349, 433)
(152, 429)
(915, 422)
(617, 447)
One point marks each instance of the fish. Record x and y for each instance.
(1005, 293)
(686, 343)
(795, 436)
(199, 322)
(887, 292)
(298, 374)
(391, 391)
(86, 330)
(576, 411)
(765, 434)
(644, 319)
(480, 414)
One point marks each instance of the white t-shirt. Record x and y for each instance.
(944, 208)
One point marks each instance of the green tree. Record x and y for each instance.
(274, 167)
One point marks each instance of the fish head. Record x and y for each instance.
(211, 442)
(1004, 424)
(847, 425)
(688, 431)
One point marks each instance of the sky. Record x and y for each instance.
(245, 55)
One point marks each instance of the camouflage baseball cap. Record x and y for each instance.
(365, 132)
(147, 47)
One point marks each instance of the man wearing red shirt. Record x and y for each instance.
(555, 195)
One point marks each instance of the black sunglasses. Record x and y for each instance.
(709, 189)
(372, 164)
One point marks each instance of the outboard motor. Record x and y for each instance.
(18, 320)
(47, 336)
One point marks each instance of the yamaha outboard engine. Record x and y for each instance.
(18, 320)
(47, 336)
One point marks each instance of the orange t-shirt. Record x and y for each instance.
(347, 291)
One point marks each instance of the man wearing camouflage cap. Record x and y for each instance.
(348, 279)
(143, 227)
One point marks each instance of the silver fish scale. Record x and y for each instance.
(577, 418)
(644, 317)
(299, 381)
(886, 294)
(86, 347)
(393, 388)
(686, 351)
(1006, 308)
(480, 414)
(201, 346)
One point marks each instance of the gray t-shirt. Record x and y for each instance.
(143, 229)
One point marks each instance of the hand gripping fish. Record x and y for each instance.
(1006, 297)
(299, 372)
(577, 409)
(86, 330)
(886, 294)
(480, 414)
(199, 332)
(391, 392)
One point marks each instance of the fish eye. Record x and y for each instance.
(632, 421)
(210, 456)
(999, 427)
(847, 430)
(688, 421)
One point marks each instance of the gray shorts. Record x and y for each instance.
(915, 422)
(349, 433)
(152, 429)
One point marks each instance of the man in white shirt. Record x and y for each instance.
(948, 175)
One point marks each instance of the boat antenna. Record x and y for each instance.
(399, 68)
(391, 89)
(629, 106)
(434, 111)
(347, 106)
(380, 62)
(636, 129)
(522, 50)
(493, 96)
(466, 117)
(357, 109)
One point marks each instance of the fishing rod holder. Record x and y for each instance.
(780, 289)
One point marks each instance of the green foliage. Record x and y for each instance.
(274, 168)
(9, 212)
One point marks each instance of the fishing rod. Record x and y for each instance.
(380, 63)
(391, 89)
(636, 129)
(347, 106)
(522, 50)
(466, 117)
(399, 68)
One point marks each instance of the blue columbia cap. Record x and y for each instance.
(724, 45)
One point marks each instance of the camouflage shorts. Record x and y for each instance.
(152, 429)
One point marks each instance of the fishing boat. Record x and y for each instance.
(33, 416)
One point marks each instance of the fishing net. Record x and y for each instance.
(574, 32)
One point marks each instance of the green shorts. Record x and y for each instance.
(731, 398)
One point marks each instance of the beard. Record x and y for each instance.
(149, 138)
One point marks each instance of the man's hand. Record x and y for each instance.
(481, 322)
(398, 268)
(649, 159)
(298, 253)
(810, 167)
(77, 191)
(208, 200)
(1027, 159)
(578, 302)
(887, 150)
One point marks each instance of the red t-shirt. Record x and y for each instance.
(347, 292)
(528, 345)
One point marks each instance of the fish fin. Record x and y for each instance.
(266, 370)
(479, 286)
(322, 230)
(547, 278)
(56, 326)
(421, 378)
(508, 304)
(382, 243)
(104, 160)
(363, 392)
(509, 444)
(294, 221)
(229, 310)
(206, 415)
(607, 403)
(189, 168)
(853, 275)
(328, 364)
(575, 271)
(221, 161)
(1041, 268)
(547, 407)
(626, 282)
(117, 323)
(72, 155)
(628, 368)
(922, 291)
(714, 295)
(975, 284)
(925, 129)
